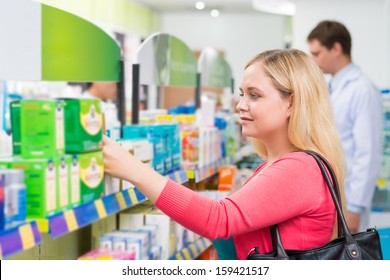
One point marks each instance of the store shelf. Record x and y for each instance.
(80, 216)
(244, 151)
(205, 172)
(192, 251)
(18, 239)
(179, 176)
(83, 215)
(211, 169)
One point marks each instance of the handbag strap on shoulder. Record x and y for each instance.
(331, 181)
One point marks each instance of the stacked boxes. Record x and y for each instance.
(38, 141)
(57, 144)
(165, 143)
(83, 136)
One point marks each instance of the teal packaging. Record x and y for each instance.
(154, 136)
(167, 135)
(175, 142)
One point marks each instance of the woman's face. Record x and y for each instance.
(263, 111)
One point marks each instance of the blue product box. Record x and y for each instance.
(384, 234)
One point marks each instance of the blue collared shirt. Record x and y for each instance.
(357, 106)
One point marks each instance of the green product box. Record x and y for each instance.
(15, 126)
(83, 125)
(91, 176)
(4, 162)
(73, 179)
(40, 177)
(63, 184)
(42, 128)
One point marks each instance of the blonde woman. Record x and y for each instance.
(284, 108)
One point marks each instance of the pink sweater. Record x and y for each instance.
(291, 192)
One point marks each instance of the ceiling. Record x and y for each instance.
(164, 6)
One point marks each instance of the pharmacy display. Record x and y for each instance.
(45, 43)
(54, 181)
(214, 69)
(166, 60)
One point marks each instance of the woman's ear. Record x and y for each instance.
(290, 104)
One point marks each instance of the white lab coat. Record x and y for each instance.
(357, 107)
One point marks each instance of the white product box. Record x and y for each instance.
(130, 237)
(133, 218)
(166, 232)
(153, 229)
(118, 242)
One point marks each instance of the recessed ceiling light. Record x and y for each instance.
(214, 13)
(200, 5)
(281, 7)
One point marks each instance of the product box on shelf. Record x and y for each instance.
(116, 242)
(99, 254)
(63, 184)
(227, 178)
(154, 137)
(166, 234)
(142, 236)
(40, 178)
(189, 134)
(72, 162)
(152, 230)
(15, 197)
(91, 176)
(155, 253)
(15, 126)
(2, 214)
(176, 146)
(142, 149)
(184, 237)
(209, 254)
(133, 218)
(111, 184)
(168, 134)
(83, 125)
(166, 142)
(42, 128)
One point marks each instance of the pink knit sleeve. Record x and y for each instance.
(291, 186)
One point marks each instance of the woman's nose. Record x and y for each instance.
(242, 105)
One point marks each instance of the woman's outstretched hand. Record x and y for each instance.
(121, 164)
(116, 158)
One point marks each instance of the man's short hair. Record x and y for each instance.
(329, 32)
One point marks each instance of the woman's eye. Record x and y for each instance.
(241, 94)
(254, 96)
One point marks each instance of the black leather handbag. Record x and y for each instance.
(360, 246)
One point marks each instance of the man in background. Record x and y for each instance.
(105, 91)
(357, 107)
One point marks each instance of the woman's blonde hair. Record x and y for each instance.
(311, 125)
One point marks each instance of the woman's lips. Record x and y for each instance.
(245, 119)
